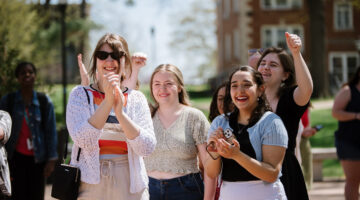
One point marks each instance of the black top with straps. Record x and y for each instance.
(232, 171)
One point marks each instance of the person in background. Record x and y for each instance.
(111, 127)
(173, 168)
(305, 148)
(5, 131)
(288, 89)
(346, 110)
(32, 147)
(250, 139)
(217, 102)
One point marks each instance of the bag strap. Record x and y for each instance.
(67, 135)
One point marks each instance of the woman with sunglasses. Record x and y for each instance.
(181, 131)
(288, 89)
(138, 60)
(111, 128)
(250, 140)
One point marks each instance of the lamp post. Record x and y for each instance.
(62, 8)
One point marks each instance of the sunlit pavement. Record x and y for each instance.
(326, 190)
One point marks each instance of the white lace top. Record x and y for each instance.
(86, 137)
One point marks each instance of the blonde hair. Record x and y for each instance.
(183, 96)
(118, 44)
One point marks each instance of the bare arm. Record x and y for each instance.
(209, 182)
(342, 98)
(138, 60)
(304, 81)
(267, 170)
(213, 167)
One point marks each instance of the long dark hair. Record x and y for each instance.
(287, 64)
(263, 104)
(354, 79)
(214, 111)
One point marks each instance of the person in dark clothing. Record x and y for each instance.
(346, 109)
(288, 89)
(32, 146)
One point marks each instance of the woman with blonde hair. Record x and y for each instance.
(111, 127)
(173, 167)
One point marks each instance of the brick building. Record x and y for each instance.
(248, 24)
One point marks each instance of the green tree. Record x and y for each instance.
(18, 26)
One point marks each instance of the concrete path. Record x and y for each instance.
(326, 190)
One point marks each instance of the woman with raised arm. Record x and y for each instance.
(111, 128)
(250, 140)
(181, 132)
(288, 89)
(346, 109)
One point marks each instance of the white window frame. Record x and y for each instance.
(336, 8)
(226, 8)
(343, 56)
(227, 42)
(236, 5)
(273, 28)
(289, 5)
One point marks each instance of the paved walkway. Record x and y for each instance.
(326, 190)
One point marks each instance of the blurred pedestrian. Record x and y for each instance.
(346, 110)
(111, 127)
(250, 139)
(5, 131)
(181, 131)
(288, 90)
(32, 146)
(217, 102)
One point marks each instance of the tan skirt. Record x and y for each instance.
(114, 183)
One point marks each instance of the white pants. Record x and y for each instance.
(252, 190)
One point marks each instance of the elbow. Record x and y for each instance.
(272, 177)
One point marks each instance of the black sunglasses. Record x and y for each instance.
(103, 55)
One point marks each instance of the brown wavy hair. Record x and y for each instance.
(183, 96)
(118, 44)
(263, 104)
(287, 64)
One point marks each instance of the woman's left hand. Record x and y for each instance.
(227, 150)
(293, 42)
(138, 60)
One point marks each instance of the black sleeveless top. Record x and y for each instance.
(232, 171)
(292, 177)
(349, 130)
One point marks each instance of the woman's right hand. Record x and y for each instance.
(109, 83)
(214, 137)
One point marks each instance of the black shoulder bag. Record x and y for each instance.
(66, 177)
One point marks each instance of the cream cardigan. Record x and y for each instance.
(86, 137)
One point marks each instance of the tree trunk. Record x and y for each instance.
(318, 68)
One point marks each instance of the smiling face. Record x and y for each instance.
(244, 91)
(271, 70)
(26, 76)
(165, 88)
(109, 64)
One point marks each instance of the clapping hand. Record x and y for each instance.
(85, 80)
(138, 60)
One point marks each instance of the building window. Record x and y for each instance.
(342, 67)
(227, 47)
(274, 36)
(237, 44)
(227, 9)
(343, 16)
(235, 5)
(281, 4)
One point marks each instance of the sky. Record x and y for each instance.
(134, 24)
